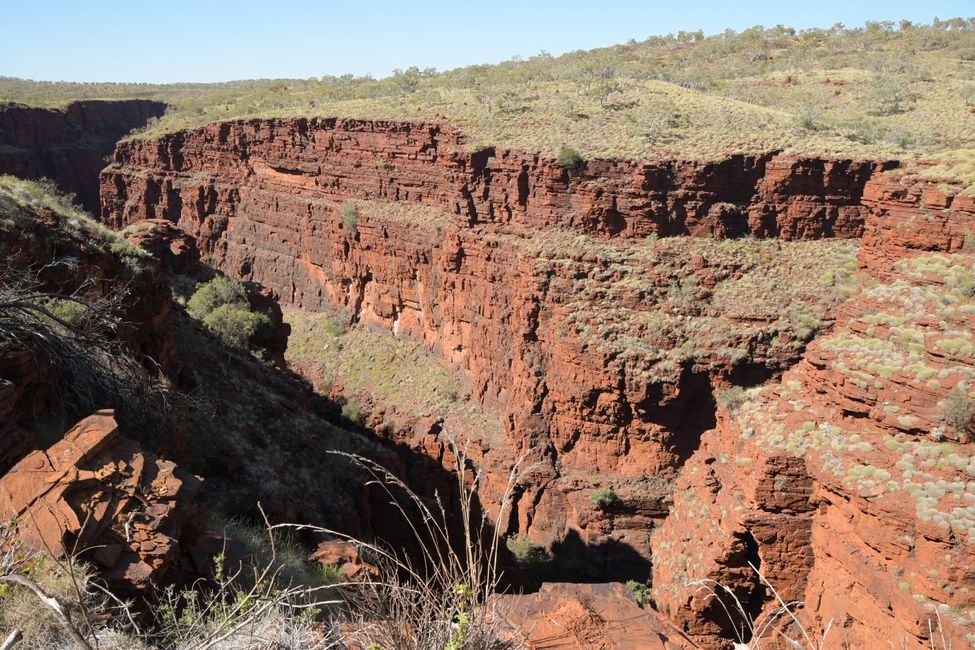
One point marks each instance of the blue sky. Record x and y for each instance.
(215, 40)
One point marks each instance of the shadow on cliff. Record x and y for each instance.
(574, 560)
(262, 434)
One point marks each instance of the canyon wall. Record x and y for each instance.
(69, 145)
(548, 290)
(848, 484)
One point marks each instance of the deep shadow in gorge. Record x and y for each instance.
(217, 450)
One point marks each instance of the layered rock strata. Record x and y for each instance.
(602, 345)
(95, 490)
(68, 145)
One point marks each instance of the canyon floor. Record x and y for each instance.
(667, 345)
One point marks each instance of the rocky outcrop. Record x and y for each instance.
(95, 490)
(847, 485)
(174, 250)
(343, 557)
(68, 145)
(565, 616)
(913, 212)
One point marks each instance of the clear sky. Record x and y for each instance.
(217, 40)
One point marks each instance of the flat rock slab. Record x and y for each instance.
(569, 616)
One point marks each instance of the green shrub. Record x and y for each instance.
(569, 158)
(640, 591)
(218, 291)
(350, 216)
(959, 410)
(352, 411)
(68, 311)
(235, 325)
(526, 552)
(603, 498)
(222, 306)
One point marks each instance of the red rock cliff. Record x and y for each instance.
(263, 199)
(602, 359)
(68, 146)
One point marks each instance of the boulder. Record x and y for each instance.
(94, 489)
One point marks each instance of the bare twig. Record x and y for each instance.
(53, 603)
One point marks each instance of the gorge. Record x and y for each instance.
(444, 249)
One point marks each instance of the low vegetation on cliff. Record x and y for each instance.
(660, 303)
(894, 90)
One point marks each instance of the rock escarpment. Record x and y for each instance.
(440, 247)
(69, 145)
(848, 483)
(600, 344)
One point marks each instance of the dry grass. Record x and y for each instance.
(22, 200)
(640, 302)
(397, 373)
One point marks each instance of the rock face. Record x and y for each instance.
(912, 215)
(175, 251)
(437, 251)
(95, 489)
(187, 175)
(847, 484)
(565, 616)
(68, 146)
(539, 284)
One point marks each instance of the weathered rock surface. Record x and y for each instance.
(447, 259)
(186, 175)
(69, 146)
(344, 556)
(441, 249)
(912, 214)
(567, 616)
(96, 490)
(174, 249)
(849, 483)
